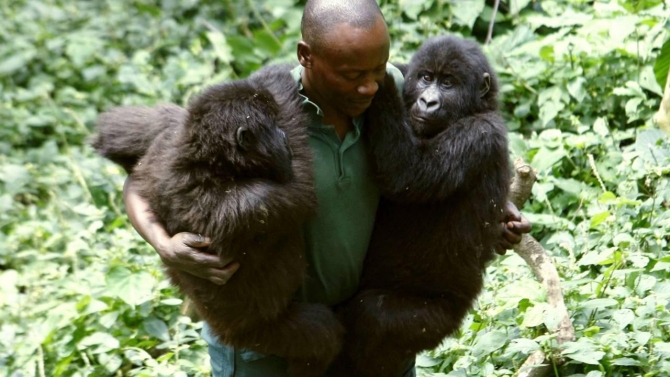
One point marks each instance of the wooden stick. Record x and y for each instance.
(540, 263)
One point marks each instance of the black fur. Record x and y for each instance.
(250, 193)
(125, 133)
(444, 176)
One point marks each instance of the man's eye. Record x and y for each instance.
(351, 75)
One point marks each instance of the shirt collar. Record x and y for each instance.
(313, 109)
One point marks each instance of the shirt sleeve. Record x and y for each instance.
(397, 76)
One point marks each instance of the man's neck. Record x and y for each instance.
(331, 117)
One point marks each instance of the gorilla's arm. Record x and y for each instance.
(125, 133)
(412, 170)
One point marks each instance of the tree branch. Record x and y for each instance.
(540, 263)
(489, 35)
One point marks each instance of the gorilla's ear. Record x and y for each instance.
(242, 138)
(486, 85)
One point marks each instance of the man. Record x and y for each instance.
(343, 58)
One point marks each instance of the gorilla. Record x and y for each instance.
(236, 166)
(441, 163)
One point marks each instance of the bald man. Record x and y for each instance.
(343, 56)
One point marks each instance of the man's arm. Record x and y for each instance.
(181, 251)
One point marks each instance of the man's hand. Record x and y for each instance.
(513, 225)
(183, 250)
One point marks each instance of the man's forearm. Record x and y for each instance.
(141, 216)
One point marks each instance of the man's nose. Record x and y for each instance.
(369, 88)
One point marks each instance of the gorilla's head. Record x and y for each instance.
(448, 79)
(232, 127)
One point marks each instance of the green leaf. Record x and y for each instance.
(648, 81)
(522, 345)
(99, 342)
(662, 65)
(576, 88)
(623, 317)
(599, 218)
(157, 328)
(534, 316)
(489, 343)
(16, 61)
(625, 361)
(133, 288)
(586, 356)
(221, 48)
(412, 8)
(466, 11)
(599, 303)
(545, 158)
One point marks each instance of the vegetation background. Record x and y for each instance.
(81, 294)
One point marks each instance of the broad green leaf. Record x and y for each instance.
(412, 8)
(157, 328)
(599, 303)
(99, 342)
(586, 356)
(522, 345)
(599, 218)
(600, 127)
(623, 317)
(534, 316)
(425, 361)
(648, 81)
(545, 158)
(221, 48)
(466, 11)
(662, 65)
(576, 88)
(132, 287)
(622, 28)
(489, 343)
(15, 62)
(625, 361)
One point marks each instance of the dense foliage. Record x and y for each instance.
(82, 294)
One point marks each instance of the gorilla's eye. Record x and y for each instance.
(447, 83)
(427, 77)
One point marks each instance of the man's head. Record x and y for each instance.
(344, 51)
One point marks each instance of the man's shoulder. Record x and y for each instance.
(397, 76)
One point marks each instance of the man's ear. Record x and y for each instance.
(304, 54)
(486, 84)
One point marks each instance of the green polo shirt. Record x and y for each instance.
(337, 238)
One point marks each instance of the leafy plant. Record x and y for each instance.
(82, 294)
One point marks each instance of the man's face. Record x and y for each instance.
(346, 72)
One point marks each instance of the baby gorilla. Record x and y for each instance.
(441, 163)
(237, 167)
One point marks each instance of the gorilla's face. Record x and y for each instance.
(344, 75)
(448, 79)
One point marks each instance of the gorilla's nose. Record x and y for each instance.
(428, 104)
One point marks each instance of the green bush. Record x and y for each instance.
(82, 294)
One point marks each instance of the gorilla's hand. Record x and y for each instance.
(183, 252)
(514, 225)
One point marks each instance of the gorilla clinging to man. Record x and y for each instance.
(441, 163)
(236, 167)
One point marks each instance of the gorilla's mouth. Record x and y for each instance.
(420, 118)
